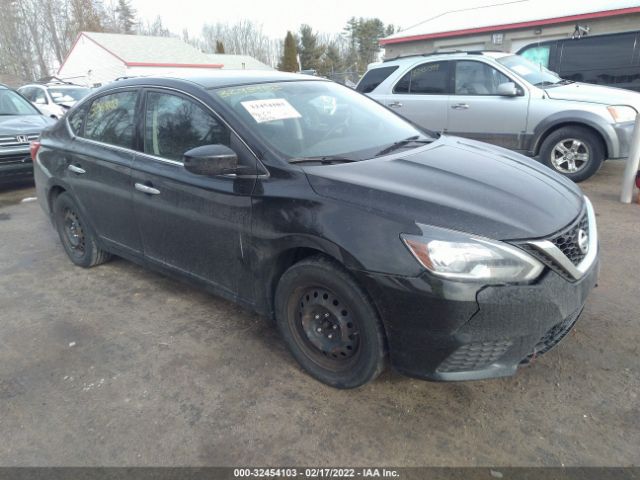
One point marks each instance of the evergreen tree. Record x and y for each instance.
(126, 16)
(219, 46)
(289, 60)
(310, 51)
(331, 60)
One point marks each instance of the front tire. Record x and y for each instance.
(575, 152)
(329, 323)
(77, 240)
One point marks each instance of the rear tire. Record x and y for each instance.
(77, 240)
(329, 323)
(575, 152)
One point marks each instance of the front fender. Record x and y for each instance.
(578, 117)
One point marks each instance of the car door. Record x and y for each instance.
(190, 223)
(477, 111)
(422, 95)
(98, 170)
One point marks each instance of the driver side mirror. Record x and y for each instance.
(40, 101)
(508, 89)
(211, 160)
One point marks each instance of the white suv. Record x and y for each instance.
(53, 99)
(506, 100)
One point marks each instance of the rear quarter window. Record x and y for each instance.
(374, 77)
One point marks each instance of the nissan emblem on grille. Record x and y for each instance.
(583, 241)
(22, 139)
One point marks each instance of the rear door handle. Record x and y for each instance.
(460, 106)
(75, 169)
(395, 104)
(147, 189)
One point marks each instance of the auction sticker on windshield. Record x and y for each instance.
(270, 110)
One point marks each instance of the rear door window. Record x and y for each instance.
(374, 77)
(598, 52)
(426, 79)
(111, 119)
(76, 119)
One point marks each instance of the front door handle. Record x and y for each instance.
(460, 106)
(147, 189)
(395, 104)
(75, 169)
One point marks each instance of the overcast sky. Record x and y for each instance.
(278, 16)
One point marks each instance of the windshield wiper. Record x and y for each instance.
(323, 160)
(403, 143)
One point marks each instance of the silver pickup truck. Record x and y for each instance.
(506, 100)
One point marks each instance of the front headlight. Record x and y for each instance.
(466, 257)
(622, 113)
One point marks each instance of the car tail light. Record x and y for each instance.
(638, 180)
(33, 148)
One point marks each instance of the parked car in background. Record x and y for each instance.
(509, 101)
(362, 234)
(611, 60)
(54, 99)
(20, 124)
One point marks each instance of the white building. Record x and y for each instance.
(237, 62)
(99, 58)
(509, 26)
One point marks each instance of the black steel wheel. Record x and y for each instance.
(329, 323)
(76, 237)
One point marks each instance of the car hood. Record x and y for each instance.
(457, 184)
(584, 92)
(21, 124)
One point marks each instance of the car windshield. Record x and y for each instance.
(320, 121)
(532, 73)
(13, 104)
(67, 95)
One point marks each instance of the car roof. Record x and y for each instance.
(56, 85)
(451, 55)
(222, 78)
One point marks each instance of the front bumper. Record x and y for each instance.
(15, 165)
(446, 331)
(624, 137)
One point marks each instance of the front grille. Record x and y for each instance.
(474, 356)
(10, 159)
(567, 241)
(546, 260)
(13, 141)
(553, 336)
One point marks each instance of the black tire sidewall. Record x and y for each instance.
(371, 349)
(65, 201)
(594, 144)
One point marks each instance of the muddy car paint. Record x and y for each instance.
(264, 221)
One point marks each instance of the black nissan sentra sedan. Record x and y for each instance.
(363, 236)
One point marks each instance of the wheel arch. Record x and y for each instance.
(294, 253)
(54, 192)
(604, 133)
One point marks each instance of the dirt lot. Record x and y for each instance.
(117, 365)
